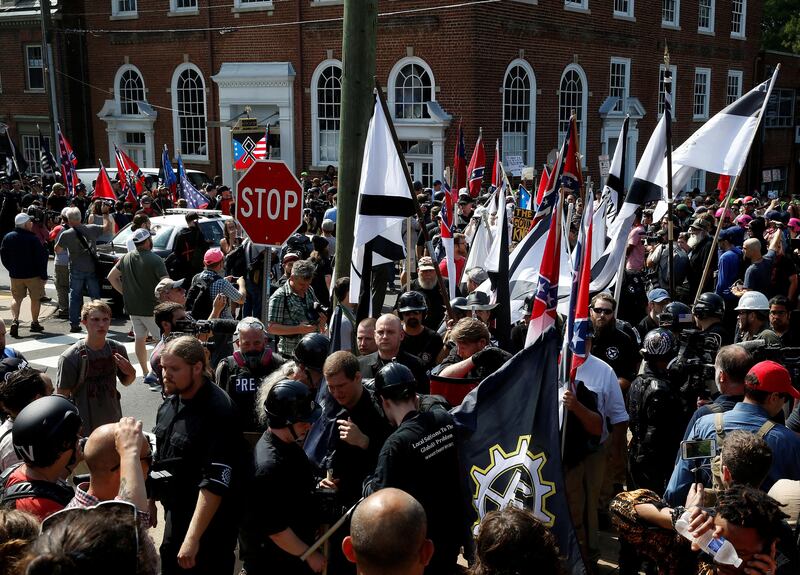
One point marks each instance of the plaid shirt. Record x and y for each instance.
(288, 308)
(83, 500)
(222, 286)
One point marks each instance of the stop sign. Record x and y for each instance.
(269, 202)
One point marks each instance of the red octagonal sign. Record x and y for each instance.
(269, 202)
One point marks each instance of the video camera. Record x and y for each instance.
(694, 365)
(203, 326)
(788, 357)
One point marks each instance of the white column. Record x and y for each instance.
(226, 145)
(287, 135)
(149, 148)
(438, 158)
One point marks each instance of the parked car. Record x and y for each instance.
(151, 176)
(164, 229)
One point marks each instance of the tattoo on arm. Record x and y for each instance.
(123, 492)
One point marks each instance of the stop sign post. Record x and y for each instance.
(269, 207)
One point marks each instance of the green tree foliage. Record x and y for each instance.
(781, 25)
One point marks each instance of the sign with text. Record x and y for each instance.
(522, 224)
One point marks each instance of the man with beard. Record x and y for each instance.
(753, 310)
(700, 245)
(779, 313)
(657, 300)
(389, 335)
(420, 341)
(426, 284)
(758, 275)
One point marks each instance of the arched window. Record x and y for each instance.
(413, 89)
(326, 109)
(130, 90)
(572, 96)
(519, 110)
(189, 112)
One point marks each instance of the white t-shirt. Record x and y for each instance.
(7, 455)
(598, 377)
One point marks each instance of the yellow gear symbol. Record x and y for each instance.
(513, 478)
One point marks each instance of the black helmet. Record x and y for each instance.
(44, 429)
(289, 402)
(395, 381)
(659, 343)
(312, 350)
(677, 316)
(411, 301)
(709, 304)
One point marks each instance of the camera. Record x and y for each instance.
(788, 357)
(693, 367)
(316, 310)
(36, 213)
(202, 326)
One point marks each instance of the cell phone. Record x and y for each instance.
(698, 449)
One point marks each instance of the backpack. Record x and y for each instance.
(198, 298)
(716, 461)
(236, 262)
(60, 493)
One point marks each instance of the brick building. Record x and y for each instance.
(179, 72)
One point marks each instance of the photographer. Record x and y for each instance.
(294, 309)
(61, 268)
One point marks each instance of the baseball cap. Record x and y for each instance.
(145, 200)
(167, 284)
(700, 223)
(140, 235)
(683, 208)
(213, 256)
(290, 257)
(743, 220)
(772, 377)
(21, 219)
(425, 263)
(773, 215)
(658, 295)
(794, 223)
(192, 217)
(729, 234)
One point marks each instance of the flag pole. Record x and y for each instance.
(417, 209)
(729, 195)
(670, 207)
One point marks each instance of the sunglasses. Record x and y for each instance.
(253, 323)
(602, 310)
(124, 508)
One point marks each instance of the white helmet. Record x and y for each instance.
(753, 301)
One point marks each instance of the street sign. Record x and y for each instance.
(269, 203)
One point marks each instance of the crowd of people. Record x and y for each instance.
(684, 420)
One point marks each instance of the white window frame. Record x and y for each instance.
(28, 87)
(34, 158)
(659, 104)
(698, 180)
(117, 13)
(741, 34)
(624, 14)
(315, 132)
(399, 65)
(576, 5)
(739, 76)
(712, 9)
(676, 23)
(777, 121)
(584, 106)
(254, 5)
(626, 89)
(176, 122)
(531, 134)
(175, 9)
(706, 72)
(117, 96)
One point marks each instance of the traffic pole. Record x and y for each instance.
(265, 281)
(358, 69)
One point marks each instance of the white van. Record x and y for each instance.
(152, 176)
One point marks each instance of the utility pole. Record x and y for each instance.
(358, 71)
(48, 70)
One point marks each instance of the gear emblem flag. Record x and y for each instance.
(513, 478)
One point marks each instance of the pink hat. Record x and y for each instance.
(743, 220)
(728, 213)
(794, 223)
(213, 256)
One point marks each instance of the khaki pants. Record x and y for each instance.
(62, 286)
(583, 483)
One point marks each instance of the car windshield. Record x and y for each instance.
(161, 235)
(212, 231)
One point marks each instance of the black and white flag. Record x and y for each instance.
(384, 202)
(48, 162)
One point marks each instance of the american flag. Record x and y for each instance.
(194, 199)
(68, 163)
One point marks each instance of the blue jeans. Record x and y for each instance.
(78, 281)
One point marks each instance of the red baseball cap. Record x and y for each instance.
(213, 256)
(772, 377)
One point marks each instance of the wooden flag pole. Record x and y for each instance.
(670, 212)
(420, 216)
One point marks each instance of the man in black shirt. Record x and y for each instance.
(420, 341)
(190, 247)
(388, 335)
(779, 315)
(611, 344)
(420, 458)
(427, 284)
(282, 517)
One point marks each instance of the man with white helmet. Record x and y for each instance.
(753, 311)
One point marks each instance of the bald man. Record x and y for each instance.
(388, 335)
(118, 456)
(373, 544)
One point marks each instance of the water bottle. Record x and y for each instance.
(718, 547)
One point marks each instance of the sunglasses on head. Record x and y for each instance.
(124, 508)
